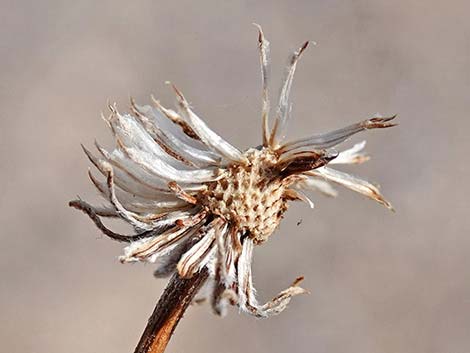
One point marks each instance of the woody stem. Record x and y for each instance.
(167, 313)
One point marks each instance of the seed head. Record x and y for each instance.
(196, 201)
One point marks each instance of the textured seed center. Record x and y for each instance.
(250, 196)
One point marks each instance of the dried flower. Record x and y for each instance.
(196, 201)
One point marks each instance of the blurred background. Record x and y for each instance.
(380, 282)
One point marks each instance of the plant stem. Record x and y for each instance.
(167, 313)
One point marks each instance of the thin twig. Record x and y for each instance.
(170, 308)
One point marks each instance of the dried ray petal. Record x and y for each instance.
(158, 115)
(351, 182)
(316, 184)
(161, 139)
(246, 292)
(333, 138)
(200, 254)
(124, 179)
(131, 217)
(166, 171)
(284, 105)
(279, 302)
(152, 248)
(233, 249)
(137, 204)
(228, 252)
(166, 264)
(155, 185)
(176, 119)
(91, 212)
(192, 155)
(138, 146)
(221, 272)
(221, 239)
(354, 155)
(263, 45)
(209, 137)
(129, 133)
(197, 257)
(142, 221)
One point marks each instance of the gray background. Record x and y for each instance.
(380, 282)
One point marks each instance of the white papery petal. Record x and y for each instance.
(335, 137)
(265, 61)
(151, 249)
(131, 217)
(125, 176)
(351, 182)
(221, 240)
(136, 203)
(179, 141)
(316, 184)
(144, 214)
(246, 293)
(199, 254)
(119, 160)
(352, 155)
(166, 171)
(131, 134)
(284, 106)
(142, 149)
(209, 137)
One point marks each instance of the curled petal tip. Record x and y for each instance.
(297, 281)
(297, 289)
(261, 39)
(260, 30)
(379, 123)
(379, 198)
(73, 203)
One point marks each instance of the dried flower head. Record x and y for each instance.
(196, 201)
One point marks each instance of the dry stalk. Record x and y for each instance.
(174, 301)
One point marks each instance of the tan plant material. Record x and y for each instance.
(199, 204)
